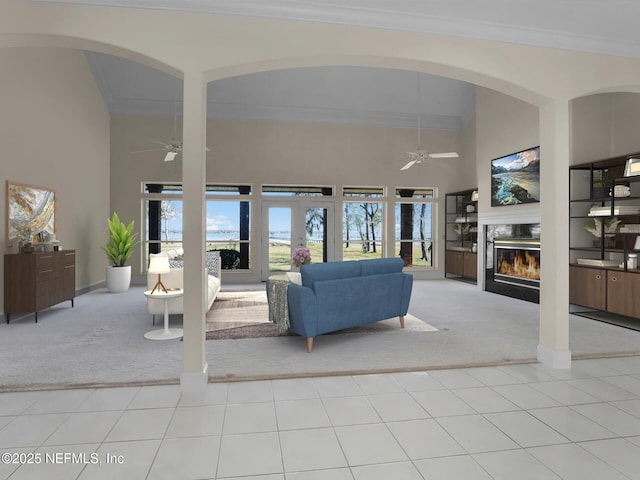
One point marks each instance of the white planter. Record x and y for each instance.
(118, 278)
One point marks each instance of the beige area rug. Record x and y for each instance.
(236, 315)
(237, 309)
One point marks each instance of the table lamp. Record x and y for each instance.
(159, 264)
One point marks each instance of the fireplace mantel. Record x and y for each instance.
(501, 215)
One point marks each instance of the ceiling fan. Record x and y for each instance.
(421, 155)
(173, 147)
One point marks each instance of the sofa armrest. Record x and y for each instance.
(303, 310)
(407, 286)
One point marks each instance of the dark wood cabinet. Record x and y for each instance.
(464, 264)
(35, 281)
(588, 287)
(454, 262)
(470, 269)
(608, 290)
(622, 293)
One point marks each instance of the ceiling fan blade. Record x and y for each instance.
(409, 165)
(170, 156)
(164, 144)
(148, 150)
(444, 155)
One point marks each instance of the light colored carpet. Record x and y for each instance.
(101, 342)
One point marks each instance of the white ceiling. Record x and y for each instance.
(369, 96)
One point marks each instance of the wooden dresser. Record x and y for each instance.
(35, 281)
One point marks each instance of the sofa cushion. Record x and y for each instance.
(318, 272)
(380, 266)
(212, 259)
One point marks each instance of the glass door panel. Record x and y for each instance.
(279, 240)
(295, 223)
(315, 223)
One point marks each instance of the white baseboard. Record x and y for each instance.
(191, 382)
(560, 359)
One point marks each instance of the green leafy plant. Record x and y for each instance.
(121, 241)
(611, 226)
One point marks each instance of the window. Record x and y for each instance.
(370, 192)
(227, 228)
(414, 226)
(228, 231)
(362, 223)
(288, 190)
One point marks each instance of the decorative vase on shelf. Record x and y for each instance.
(26, 247)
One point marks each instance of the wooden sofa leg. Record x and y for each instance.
(401, 321)
(310, 344)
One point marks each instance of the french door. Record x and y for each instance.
(292, 223)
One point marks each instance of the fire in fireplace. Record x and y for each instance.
(517, 262)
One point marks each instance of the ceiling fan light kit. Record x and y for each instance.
(170, 156)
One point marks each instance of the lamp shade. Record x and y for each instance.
(637, 244)
(159, 264)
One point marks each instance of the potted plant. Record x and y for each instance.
(118, 251)
(611, 228)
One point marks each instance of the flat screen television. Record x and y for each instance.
(515, 178)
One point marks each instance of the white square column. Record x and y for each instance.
(555, 149)
(194, 375)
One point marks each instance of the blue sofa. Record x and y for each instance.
(338, 295)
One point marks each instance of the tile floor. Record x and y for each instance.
(506, 422)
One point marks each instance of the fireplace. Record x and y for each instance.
(512, 265)
(517, 262)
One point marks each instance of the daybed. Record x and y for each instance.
(175, 279)
(338, 295)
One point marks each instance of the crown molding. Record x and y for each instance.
(400, 15)
(273, 113)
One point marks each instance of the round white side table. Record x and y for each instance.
(165, 333)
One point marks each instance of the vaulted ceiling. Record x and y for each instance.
(354, 95)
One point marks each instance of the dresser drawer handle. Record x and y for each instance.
(69, 254)
(46, 271)
(69, 266)
(598, 277)
(46, 256)
(613, 279)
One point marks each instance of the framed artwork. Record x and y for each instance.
(31, 211)
(515, 178)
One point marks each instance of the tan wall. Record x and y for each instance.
(590, 128)
(504, 125)
(604, 125)
(625, 121)
(54, 132)
(260, 152)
